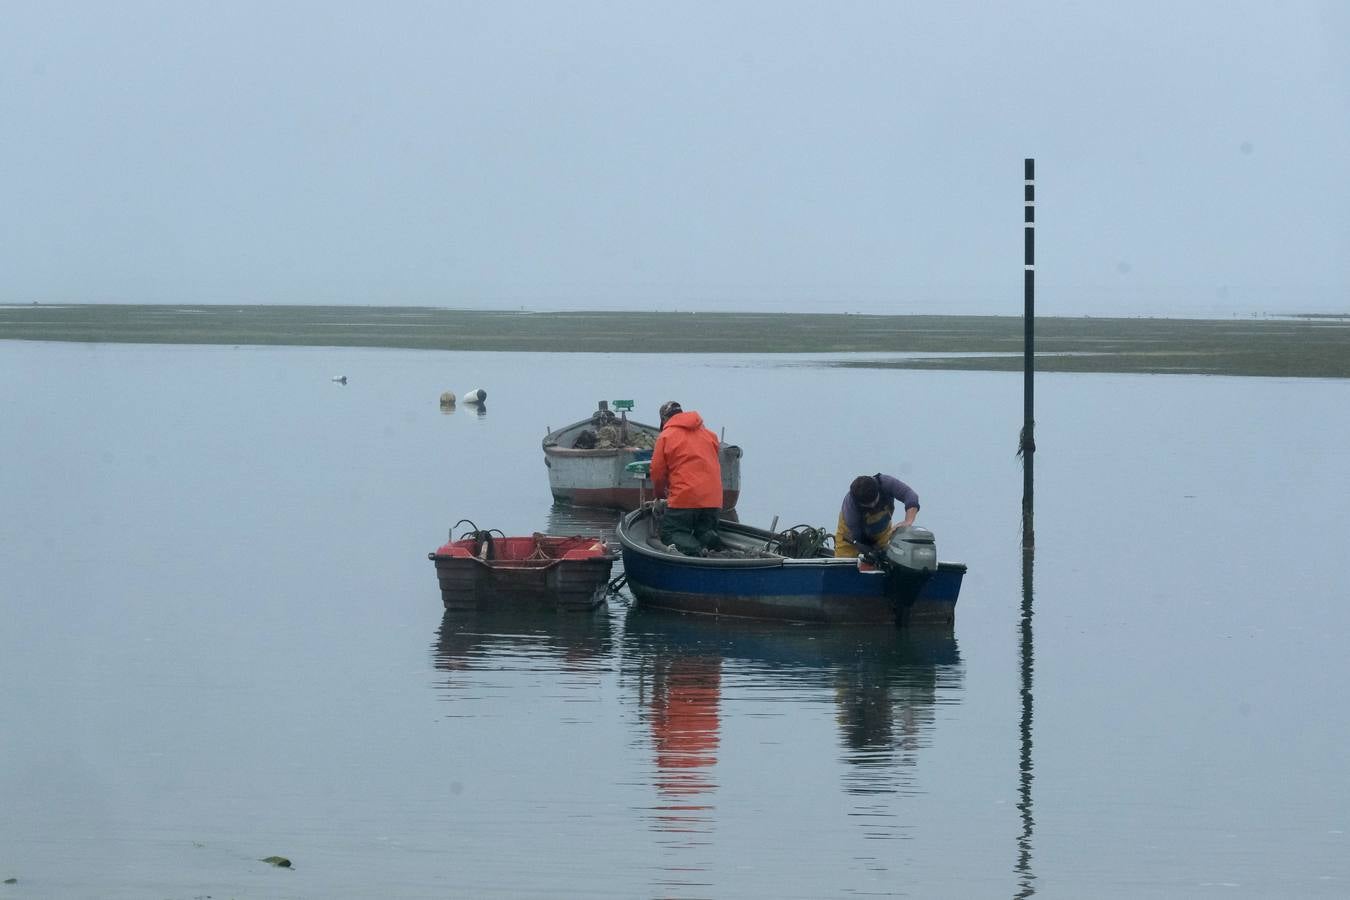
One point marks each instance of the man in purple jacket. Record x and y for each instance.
(865, 518)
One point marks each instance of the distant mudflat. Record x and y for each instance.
(1313, 346)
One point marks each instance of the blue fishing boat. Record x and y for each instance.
(759, 576)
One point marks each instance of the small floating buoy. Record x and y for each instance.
(340, 379)
(477, 395)
(448, 398)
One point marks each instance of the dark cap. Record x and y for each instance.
(668, 409)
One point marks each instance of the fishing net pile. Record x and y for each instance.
(734, 553)
(609, 436)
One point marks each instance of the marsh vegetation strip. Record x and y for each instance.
(1307, 346)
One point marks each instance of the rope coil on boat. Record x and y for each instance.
(804, 542)
(483, 547)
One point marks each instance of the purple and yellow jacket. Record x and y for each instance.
(864, 529)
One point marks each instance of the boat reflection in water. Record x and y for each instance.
(575, 642)
(575, 638)
(565, 519)
(884, 684)
(886, 693)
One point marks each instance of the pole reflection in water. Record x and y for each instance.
(1025, 877)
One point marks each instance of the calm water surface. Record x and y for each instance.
(222, 640)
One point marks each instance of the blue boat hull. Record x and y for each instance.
(821, 589)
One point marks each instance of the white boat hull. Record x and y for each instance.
(600, 477)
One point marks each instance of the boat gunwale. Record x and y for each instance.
(589, 453)
(595, 549)
(550, 441)
(524, 565)
(745, 530)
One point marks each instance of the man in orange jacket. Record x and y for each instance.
(686, 471)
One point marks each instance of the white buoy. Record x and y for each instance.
(478, 395)
(340, 379)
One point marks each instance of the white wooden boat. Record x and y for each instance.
(588, 461)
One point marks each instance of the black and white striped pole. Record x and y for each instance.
(1027, 450)
(1027, 443)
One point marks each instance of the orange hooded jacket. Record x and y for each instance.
(685, 466)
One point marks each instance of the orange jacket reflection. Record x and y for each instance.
(685, 698)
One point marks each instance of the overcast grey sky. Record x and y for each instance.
(1193, 157)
